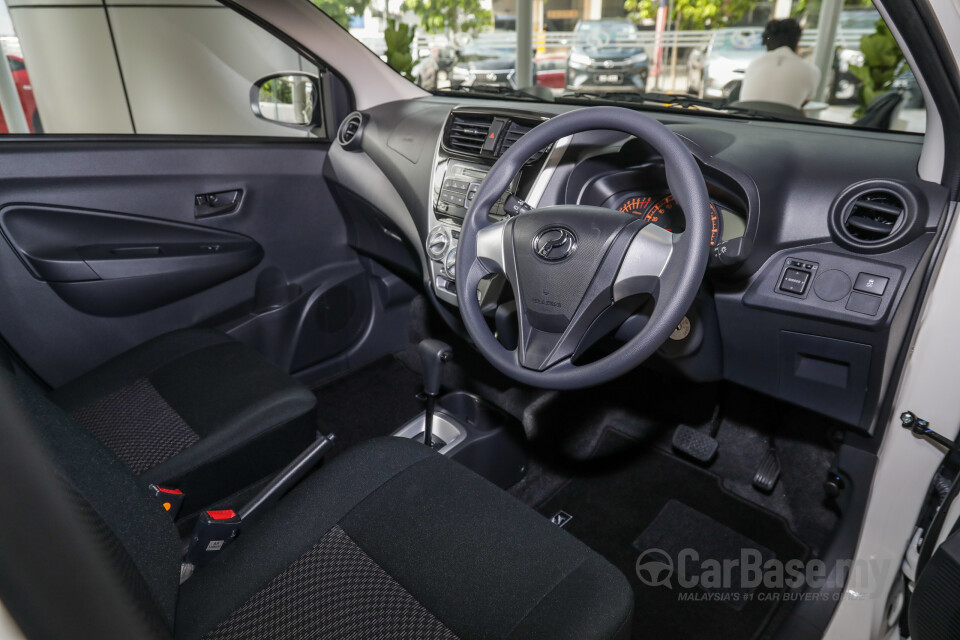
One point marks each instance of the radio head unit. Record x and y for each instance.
(458, 187)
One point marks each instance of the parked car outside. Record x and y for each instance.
(484, 65)
(25, 91)
(551, 70)
(714, 71)
(606, 56)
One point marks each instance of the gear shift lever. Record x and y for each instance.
(433, 354)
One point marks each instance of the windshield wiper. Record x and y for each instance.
(494, 90)
(679, 100)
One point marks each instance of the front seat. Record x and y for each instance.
(390, 540)
(195, 410)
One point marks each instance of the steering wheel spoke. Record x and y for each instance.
(492, 244)
(539, 350)
(645, 263)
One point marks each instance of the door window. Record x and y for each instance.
(167, 67)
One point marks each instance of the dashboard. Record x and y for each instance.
(819, 235)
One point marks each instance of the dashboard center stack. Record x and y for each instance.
(471, 143)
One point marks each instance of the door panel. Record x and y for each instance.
(285, 249)
(109, 264)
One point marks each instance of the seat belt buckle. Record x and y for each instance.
(170, 499)
(215, 529)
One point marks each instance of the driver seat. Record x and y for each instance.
(388, 540)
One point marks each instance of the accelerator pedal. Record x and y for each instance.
(765, 479)
(694, 444)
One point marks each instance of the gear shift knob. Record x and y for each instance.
(433, 354)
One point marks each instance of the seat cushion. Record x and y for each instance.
(194, 409)
(393, 540)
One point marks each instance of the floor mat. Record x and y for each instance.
(640, 508)
(374, 401)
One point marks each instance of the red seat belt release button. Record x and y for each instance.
(215, 529)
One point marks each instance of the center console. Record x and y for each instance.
(472, 141)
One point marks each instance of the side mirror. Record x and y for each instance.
(290, 99)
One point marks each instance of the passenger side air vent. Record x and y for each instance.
(874, 216)
(348, 135)
(467, 133)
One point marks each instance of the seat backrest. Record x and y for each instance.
(85, 551)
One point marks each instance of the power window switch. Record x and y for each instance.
(795, 281)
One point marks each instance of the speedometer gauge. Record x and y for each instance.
(666, 213)
(637, 205)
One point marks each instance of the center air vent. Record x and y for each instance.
(348, 135)
(514, 133)
(467, 133)
(874, 215)
(486, 135)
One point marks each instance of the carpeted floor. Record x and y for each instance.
(633, 498)
(368, 403)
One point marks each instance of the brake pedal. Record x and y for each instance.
(694, 444)
(765, 479)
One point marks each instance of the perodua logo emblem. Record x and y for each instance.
(555, 244)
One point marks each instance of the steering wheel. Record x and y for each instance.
(577, 272)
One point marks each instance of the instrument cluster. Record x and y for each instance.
(664, 211)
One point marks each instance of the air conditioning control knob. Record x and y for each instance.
(450, 263)
(438, 241)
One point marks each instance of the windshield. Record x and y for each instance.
(747, 59)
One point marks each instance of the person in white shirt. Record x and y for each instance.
(780, 75)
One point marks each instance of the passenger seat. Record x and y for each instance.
(194, 410)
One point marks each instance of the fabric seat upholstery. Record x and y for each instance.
(194, 409)
(391, 516)
(389, 540)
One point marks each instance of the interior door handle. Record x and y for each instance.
(219, 203)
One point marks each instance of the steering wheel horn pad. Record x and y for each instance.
(571, 265)
(552, 290)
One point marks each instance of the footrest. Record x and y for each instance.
(694, 444)
(768, 472)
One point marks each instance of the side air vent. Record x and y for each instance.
(349, 133)
(467, 133)
(874, 216)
